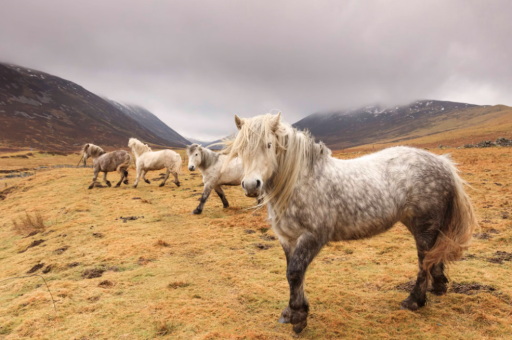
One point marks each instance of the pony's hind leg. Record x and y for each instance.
(425, 236)
(440, 281)
(144, 177)
(165, 178)
(125, 176)
(222, 196)
(307, 247)
(123, 173)
(176, 179)
(105, 179)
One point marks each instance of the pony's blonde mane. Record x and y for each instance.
(138, 147)
(292, 155)
(92, 150)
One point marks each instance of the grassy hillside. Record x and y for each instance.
(221, 275)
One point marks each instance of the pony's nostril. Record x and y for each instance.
(258, 183)
(243, 186)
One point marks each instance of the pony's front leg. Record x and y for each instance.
(204, 197)
(222, 196)
(139, 171)
(105, 179)
(94, 178)
(305, 251)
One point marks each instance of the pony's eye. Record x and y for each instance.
(196, 154)
(269, 145)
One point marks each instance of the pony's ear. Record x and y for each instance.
(86, 147)
(239, 122)
(274, 122)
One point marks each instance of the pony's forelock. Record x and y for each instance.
(294, 154)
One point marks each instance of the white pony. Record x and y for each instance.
(314, 199)
(210, 163)
(147, 160)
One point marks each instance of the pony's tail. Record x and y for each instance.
(457, 230)
(126, 164)
(177, 164)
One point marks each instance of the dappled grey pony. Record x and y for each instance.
(210, 164)
(106, 162)
(313, 198)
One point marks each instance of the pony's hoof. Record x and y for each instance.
(297, 328)
(285, 316)
(161, 185)
(126, 182)
(197, 212)
(109, 184)
(90, 187)
(226, 206)
(147, 181)
(135, 186)
(178, 184)
(408, 304)
(117, 185)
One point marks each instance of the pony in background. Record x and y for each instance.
(210, 164)
(313, 198)
(106, 162)
(147, 160)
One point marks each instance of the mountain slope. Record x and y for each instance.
(151, 122)
(44, 111)
(375, 124)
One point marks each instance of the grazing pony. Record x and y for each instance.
(210, 164)
(103, 161)
(313, 198)
(147, 159)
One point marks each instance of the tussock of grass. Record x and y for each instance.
(178, 284)
(28, 224)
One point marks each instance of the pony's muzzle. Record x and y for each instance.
(191, 167)
(252, 187)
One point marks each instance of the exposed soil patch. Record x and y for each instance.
(32, 233)
(268, 237)
(493, 231)
(130, 218)
(35, 268)
(92, 273)
(98, 235)
(482, 236)
(94, 298)
(136, 198)
(73, 264)
(500, 256)
(33, 244)
(106, 284)
(47, 269)
(5, 192)
(467, 257)
(505, 215)
(113, 269)
(143, 261)
(470, 288)
(61, 250)
(249, 231)
(262, 246)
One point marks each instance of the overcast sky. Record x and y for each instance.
(197, 63)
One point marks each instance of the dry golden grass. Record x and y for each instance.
(174, 275)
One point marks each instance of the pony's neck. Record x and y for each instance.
(208, 158)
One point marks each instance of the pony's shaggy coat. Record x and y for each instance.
(210, 164)
(314, 198)
(147, 160)
(106, 162)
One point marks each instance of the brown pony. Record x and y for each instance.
(118, 160)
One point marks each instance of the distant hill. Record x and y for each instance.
(151, 122)
(424, 121)
(44, 111)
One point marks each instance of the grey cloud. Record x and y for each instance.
(197, 63)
